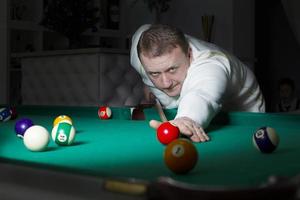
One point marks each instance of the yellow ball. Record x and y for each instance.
(62, 118)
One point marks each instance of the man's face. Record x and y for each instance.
(285, 91)
(168, 71)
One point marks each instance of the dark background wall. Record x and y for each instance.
(256, 32)
(276, 49)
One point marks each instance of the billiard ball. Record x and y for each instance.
(5, 114)
(265, 139)
(167, 132)
(22, 125)
(104, 112)
(36, 138)
(137, 113)
(63, 133)
(180, 156)
(13, 112)
(62, 118)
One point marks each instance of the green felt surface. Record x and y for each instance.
(124, 148)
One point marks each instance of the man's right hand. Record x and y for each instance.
(186, 127)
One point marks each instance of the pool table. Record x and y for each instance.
(121, 158)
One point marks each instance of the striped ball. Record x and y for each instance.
(63, 133)
(5, 114)
(62, 118)
(265, 139)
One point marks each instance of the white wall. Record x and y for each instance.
(3, 53)
(233, 25)
(187, 16)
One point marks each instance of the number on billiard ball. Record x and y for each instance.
(167, 132)
(181, 156)
(265, 139)
(63, 133)
(104, 112)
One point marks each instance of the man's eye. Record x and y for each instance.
(172, 69)
(154, 74)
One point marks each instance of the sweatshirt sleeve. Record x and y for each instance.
(203, 91)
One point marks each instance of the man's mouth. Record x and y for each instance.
(170, 90)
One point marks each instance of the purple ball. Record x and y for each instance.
(22, 125)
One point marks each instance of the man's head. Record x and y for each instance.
(166, 56)
(286, 88)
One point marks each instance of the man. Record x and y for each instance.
(288, 101)
(196, 77)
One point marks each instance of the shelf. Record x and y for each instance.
(70, 51)
(26, 25)
(104, 33)
(34, 26)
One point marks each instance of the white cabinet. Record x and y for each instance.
(26, 35)
(83, 77)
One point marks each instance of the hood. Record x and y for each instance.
(134, 58)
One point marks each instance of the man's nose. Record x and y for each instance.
(166, 81)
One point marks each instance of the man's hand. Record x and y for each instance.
(186, 127)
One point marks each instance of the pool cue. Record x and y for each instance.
(160, 111)
(128, 186)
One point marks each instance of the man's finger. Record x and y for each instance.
(154, 123)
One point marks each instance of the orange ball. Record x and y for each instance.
(181, 156)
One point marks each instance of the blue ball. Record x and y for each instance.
(5, 114)
(265, 139)
(22, 125)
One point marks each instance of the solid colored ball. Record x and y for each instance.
(22, 125)
(63, 133)
(36, 138)
(13, 112)
(137, 113)
(180, 156)
(5, 114)
(265, 139)
(62, 118)
(167, 132)
(104, 112)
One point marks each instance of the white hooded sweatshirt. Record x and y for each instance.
(215, 81)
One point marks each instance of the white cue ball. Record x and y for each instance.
(36, 138)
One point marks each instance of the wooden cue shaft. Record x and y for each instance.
(126, 186)
(160, 111)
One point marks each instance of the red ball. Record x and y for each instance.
(137, 114)
(104, 112)
(13, 112)
(167, 132)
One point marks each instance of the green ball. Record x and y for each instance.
(63, 134)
